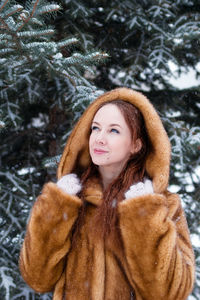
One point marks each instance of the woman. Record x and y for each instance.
(109, 229)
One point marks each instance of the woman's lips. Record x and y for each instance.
(100, 151)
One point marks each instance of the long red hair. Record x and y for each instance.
(133, 172)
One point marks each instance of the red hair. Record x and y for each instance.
(133, 172)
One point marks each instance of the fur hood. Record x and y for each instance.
(76, 158)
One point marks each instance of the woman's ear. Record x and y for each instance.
(137, 145)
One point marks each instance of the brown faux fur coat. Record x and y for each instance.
(151, 258)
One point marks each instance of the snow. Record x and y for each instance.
(24, 171)
(2, 124)
(187, 77)
(58, 55)
(191, 297)
(65, 216)
(195, 239)
(39, 121)
(173, 188)
(197, 171)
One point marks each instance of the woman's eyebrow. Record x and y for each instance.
(110, 125)
(113, 124)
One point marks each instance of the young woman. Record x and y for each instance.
(109, 229)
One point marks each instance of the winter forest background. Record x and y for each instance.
(55, 58)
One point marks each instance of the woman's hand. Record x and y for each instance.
(70, 184)
(139, 189)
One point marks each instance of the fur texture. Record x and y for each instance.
(149, 255)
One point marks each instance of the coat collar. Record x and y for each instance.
(93, 191)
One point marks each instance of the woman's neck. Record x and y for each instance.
(108, 175)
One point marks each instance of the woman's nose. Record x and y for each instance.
(100, 138)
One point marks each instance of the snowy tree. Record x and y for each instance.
(49, 73)
(43, 90)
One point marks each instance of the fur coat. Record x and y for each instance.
(152, 259)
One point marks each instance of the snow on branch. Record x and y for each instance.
(11, 11)
(6, 50)
(77, 58)
(4, 4)
(14, 180)
(67, 42)
(35, 33)
(2, 124)
(6, 281)
(38, 11)
(48, 9)
(51, 162)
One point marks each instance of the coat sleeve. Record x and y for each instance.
(157, 246)
(47, 240)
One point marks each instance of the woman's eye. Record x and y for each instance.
(114, 130)
(94, 128)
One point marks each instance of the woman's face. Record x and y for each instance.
(110, 142)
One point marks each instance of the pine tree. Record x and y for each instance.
(49, 76)
(43, 89)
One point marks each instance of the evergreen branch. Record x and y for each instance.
(158, 29)
(5, 51)
(5, 25)
(78, 58)
(36, 21)
(70, 79)
(20, 64)
(63, 73)
(43, 47)
(6, 281)
(31, 15)
(48, 8)
(12, 218)
(13, 10)
(67, 42)
(4, 4)
(15, 181)
(18, 45)
(5, 36)
(51, 162)
(15, 38)
(35, 33)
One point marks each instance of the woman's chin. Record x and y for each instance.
(100, 161)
